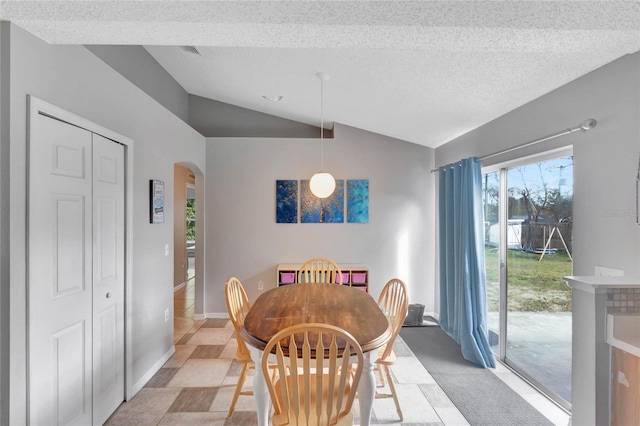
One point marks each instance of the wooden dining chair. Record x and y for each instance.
(319, 368)
(238, 307)
(394, 302)
(320, 270)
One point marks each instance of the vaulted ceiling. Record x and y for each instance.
(420, 71)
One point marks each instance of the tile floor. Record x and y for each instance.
(196, 385)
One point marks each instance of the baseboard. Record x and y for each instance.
(213, 315)
(217, 315)
(179, 286)
(153, 370)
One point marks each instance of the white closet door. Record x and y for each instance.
(76, 275)
(108, 277)
(60, 265)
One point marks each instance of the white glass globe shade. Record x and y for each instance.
(322, 185)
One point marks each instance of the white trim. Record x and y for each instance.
(550, 154)
(152, 371)
(37, 106)
(216, 315)
(199, 317)
(179, 286)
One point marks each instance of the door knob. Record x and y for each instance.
(109, 295)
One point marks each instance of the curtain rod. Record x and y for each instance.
(587, 124)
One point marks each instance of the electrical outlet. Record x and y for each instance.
(260, 285)
(166, 315)
(166, 249)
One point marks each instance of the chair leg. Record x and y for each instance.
(381, 374)
(238, 392)
(387, 372)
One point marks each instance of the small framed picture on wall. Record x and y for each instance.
(156, 201)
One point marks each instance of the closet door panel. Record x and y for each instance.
(108, 277)
(59, 273)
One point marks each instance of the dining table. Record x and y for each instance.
(339, 305)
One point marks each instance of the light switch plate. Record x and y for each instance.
(166, 249)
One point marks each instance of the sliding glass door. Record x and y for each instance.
(528, 236)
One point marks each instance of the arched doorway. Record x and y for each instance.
(188, 232)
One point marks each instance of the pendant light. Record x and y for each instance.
(322, 184)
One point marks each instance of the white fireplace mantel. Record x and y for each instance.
(591, 357)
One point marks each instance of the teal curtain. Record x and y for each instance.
(463, 296)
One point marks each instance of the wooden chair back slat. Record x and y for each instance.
(318, 379)
(394, 302)
(237, 306)
(320, 270)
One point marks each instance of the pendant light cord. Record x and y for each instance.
(321, 124)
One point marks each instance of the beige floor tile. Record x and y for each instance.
(184, 340)
(236, 369)
(225, 395)
(242, 418)
(400, 348)
(451, 416)
(146, 408)
(207, 352)
(196, 325)
(162, 377)
(193, 419)
(201, 373)
(230, 348)
(177, 337)
(183, 352)
(436, 396)
(215, 323)
(182, 325)
(211, 336)
(422, 400)
(188, 313)
(415, 406)
(182, 305)
(194, 400)
(232, 380)
(410, 370)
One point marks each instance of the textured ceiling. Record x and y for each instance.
(421, 71)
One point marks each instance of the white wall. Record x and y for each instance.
(139, 67)
(605, 158)
(244, 240)
(74, 79)
(4, 243)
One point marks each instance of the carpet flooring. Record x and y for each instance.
(482, 398)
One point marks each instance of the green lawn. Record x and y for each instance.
(534, 285)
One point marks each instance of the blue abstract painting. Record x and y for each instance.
(286, 201)
(321, 210)
(358, 201)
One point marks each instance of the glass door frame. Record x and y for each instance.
(503, 168)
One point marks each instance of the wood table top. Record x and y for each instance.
(342, 306)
